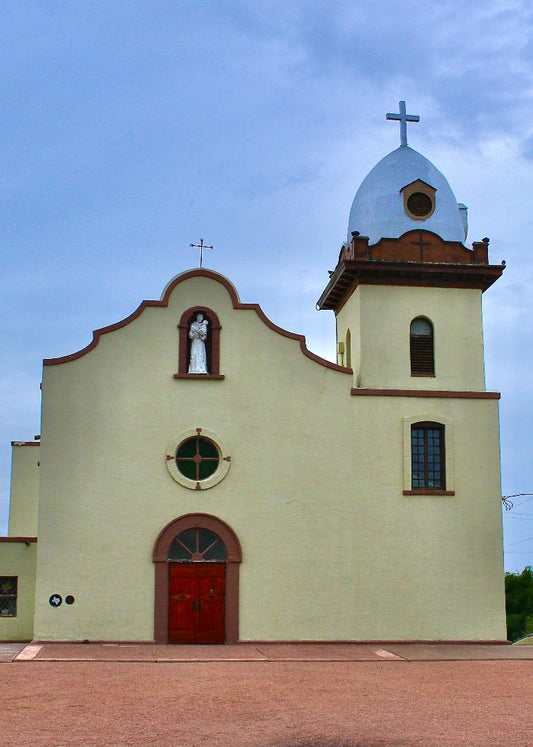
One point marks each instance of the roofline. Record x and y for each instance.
(350, 273)
(163, 303)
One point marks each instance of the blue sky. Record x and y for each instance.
(130, 129)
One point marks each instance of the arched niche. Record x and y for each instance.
(212, 343)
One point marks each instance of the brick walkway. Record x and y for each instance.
(331, 696)
(250, 652)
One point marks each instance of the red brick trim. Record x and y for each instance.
(436, 393)
(26, 540)
(164, 302)
(451, 266)
(203, 377)
(429, 492)
(160, 559)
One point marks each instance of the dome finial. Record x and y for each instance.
(403, 119)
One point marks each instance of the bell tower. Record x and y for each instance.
(406, 291)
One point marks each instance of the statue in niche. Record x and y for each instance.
(198, 335)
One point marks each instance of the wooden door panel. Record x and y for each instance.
(183, 592)
(211, 593)
(196, 604)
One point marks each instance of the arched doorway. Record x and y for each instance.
(196, 559)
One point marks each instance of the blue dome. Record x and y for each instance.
(378, 208)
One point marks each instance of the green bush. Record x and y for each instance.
(519, 603)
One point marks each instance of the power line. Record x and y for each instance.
(518, 542)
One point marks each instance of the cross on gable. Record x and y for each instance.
(403, 118)
(201, 246)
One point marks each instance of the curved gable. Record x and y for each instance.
(164, 301)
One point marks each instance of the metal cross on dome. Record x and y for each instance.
(201, 246)
(403, 118)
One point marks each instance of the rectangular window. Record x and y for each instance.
(427, 457)
(8, 596)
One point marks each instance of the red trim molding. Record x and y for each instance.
(160, 559)
(25, 443)
(429, 492)
(428, 261)
(436, 393)
(164, 303)
(199, 377)
(25, 540)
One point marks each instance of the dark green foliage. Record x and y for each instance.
(519, 603)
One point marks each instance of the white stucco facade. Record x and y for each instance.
(314, 478)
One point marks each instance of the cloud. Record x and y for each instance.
(130, 130)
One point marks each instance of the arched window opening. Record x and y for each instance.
(422, 347)
(428, 456)
(197, 545)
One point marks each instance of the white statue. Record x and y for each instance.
(198, 335)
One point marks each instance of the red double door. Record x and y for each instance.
(196, 602)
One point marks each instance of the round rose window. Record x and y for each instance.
(197, 458)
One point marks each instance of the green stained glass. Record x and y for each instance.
(187, 469)
(187, 449)
(207, 449)
(197, 458)
(206, 469)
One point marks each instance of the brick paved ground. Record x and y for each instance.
(267, 703)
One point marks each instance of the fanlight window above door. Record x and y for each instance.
(197, 545)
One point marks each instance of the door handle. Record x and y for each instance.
(199, 605)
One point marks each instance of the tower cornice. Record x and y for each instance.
(418, 258)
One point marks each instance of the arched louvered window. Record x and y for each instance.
(422, 349)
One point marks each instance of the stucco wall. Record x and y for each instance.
(379, 318)
(24, 496)
(332, 549)
(18, 559)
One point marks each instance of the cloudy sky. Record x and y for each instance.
(130, 129)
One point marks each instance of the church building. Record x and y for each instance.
(183, 490)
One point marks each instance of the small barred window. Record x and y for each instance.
(8, 596)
